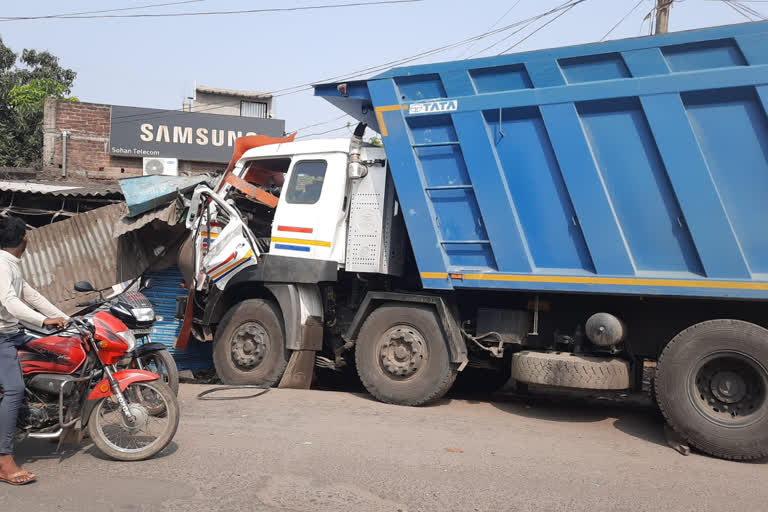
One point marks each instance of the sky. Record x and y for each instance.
(155, 62)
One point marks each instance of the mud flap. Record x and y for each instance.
(298, 373)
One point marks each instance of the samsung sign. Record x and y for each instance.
(140, 132)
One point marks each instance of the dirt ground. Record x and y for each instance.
(337, 451)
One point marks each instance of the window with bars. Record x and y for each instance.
(253, 109)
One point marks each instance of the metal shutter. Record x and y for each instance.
(166, 287)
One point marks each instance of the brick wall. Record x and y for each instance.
(88, 158)
(87, 125)
(83, 119)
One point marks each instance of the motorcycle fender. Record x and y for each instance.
(147, 348)
(124, 378)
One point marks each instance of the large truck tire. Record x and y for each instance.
(402, 356)
(249, 346)
(568, 370)
(712, 386)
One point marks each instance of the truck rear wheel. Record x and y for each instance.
(402, 357)
(249, 347)
(712, 387)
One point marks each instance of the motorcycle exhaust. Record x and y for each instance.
(46, 435)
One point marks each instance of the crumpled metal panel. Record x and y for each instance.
(169, 215)
(145, 193)
(81, 248)
(62, 189)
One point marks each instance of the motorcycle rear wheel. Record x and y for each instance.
(148, 435)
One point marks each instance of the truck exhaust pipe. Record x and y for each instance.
(356, 169)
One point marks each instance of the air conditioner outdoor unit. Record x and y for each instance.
(161, 166)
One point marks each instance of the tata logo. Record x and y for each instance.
(432, 107)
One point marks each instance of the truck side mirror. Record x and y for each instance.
(146, 283)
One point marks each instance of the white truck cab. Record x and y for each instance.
(335, 202)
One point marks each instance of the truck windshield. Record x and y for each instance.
(306, 182)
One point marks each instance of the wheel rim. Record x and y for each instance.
(402, 352)
(729, 389)
(146, 429)
(250, 344)
(155, 364)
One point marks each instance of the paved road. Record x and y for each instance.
(319, 450)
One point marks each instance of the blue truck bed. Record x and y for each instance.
(637, 166)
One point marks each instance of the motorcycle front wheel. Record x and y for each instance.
(146, 434)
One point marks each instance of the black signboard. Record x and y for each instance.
(139, 132)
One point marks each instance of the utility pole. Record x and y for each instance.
(662, 16)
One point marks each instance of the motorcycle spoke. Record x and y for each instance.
(149, 426)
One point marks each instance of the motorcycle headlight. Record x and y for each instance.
(143, 314)
(129, 338)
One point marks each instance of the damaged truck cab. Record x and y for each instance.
(282, 264)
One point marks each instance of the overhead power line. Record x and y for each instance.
(369, 70)
(216, 13)
(325, 132)
(749, 10)
(525, 24)
(365, 71)
(82, 13)
(498, 20)
(746, 11)
(317, 124)
(565, 11)
(405, 60)
(638, 4)
(736, 8)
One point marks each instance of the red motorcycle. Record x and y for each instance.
(72, 384)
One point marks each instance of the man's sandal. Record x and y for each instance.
(19, 478)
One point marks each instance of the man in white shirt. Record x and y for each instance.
(18, 301)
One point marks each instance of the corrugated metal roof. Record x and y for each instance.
(62, 189)
(168, 214)
(81, 248)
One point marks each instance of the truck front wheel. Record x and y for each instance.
(402, 357)
(712, 386)
(249, 347)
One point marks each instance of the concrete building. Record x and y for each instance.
(232, 102)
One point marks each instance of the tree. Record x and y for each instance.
(25, 82)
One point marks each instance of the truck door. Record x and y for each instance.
(310, 217)
(223, 244)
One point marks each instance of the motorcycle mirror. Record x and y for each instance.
(84, 286)
(146, 283)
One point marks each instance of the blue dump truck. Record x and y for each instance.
(592, 217)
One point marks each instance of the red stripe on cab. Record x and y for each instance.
(294, 229)
(231, 257)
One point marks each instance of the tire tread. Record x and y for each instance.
(661, 393)
(570, 371)
(438, 391)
